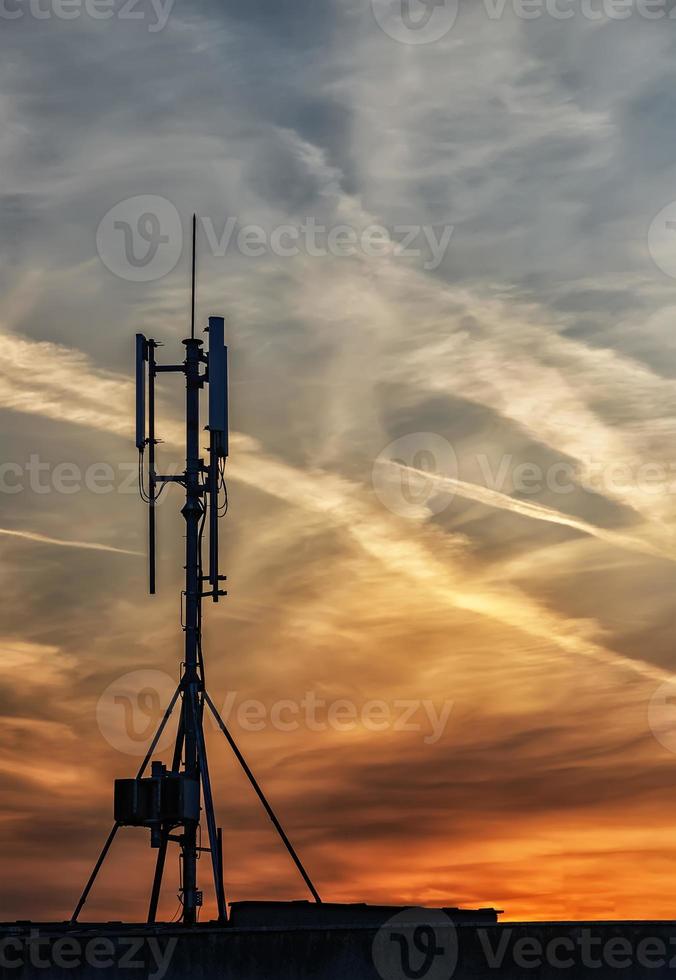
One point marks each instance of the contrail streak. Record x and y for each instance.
(337, 499)
(538, 512)
(61, 543)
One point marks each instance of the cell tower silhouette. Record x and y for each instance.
(170, 801)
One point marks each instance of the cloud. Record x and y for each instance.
(545, 333)
(379, 536)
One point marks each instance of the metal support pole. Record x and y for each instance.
(157, 881)
(192, 513)
(261, 796)
(95, 872)
(158, 734)
(178, 748)
(221, 876)
(162, 854)
(209, 808)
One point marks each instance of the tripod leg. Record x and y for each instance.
(157, 882)
(261, 796)
(116, 827)
(94, 874)
(178, 750)
(208, 805)
(221, 875)
(162, 853)
(158, 733)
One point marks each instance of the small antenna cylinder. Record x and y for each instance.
(214, 486)
(218, 436)
(218, 382)
(141, 358)
(152, 483)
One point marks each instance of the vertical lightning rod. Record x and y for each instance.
(194, 268)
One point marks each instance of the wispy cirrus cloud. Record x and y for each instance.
(544, 333)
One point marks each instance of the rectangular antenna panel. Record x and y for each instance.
(141, 358)
(218, 381)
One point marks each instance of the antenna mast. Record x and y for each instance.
(170, 801)
(192, 283)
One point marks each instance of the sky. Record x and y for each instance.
(441, 237)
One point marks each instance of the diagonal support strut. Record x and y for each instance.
(261, 796)
(116, 826)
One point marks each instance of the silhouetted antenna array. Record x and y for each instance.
(170, 802)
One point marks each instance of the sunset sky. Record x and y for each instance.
(517, 602)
